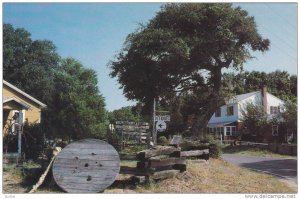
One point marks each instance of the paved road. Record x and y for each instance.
(286, 168)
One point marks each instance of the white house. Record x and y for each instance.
(226, 120)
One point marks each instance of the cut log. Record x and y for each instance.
(158, 150)
(189, 145)
(164, 174)
(166, 162)
(153, 163)
(135, 171)
(194, 153)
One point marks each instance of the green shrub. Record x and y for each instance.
(162, 140)
(215, 147)
(34, 141)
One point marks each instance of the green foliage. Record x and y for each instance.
(78, 109)
(75, 107)
(162, 140)
(34, 142)
(26, 59)
(255, 121)
(215, 147)
(124, 114)
(183, 49)
(290, 116)
(279, 83)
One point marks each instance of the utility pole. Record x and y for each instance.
(154, 136)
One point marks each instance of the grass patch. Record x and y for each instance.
(252, 150)
(218, 177)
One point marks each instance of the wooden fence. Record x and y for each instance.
(163, 162)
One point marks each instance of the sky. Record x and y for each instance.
(94, 33)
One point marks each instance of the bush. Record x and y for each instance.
(162, 140)
(215, 147)
(34, 141)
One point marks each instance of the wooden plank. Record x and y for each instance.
(86, 166)
(190, 145)
(194, 153)
(165, 174)
(135, 171)
(153, 163)
(158, 150)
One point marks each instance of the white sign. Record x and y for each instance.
(162, 118)
(161, 126)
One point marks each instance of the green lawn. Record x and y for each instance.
(252, 150)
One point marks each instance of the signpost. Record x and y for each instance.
(161, 126)
(165, 118)
(160, 122)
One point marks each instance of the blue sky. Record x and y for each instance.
(93, 33)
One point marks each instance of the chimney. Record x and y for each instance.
(264, 98)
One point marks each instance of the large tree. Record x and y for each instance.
(78, 108)
(182, 42)
(279, 83)
(29, 64)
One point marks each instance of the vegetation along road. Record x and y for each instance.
(284, 168)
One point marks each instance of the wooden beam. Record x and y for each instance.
(157, 151)
(165, 174)
(194, 153)
(135, 171)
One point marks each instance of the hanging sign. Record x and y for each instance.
(165, 118)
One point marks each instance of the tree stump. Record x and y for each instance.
(86, 166)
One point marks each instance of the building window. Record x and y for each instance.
(275, 130)
(233, 129)
(211, 129)
(230, 130)
(274, 109)
(229, 110)
(218, 112)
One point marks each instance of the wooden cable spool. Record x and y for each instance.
(86, 166)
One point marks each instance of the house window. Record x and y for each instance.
(230, 130)
(229, 110)
(212, 130)
(275, 130)
(233, 129)
(218, 112)
(274, 109)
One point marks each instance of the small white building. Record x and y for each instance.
(226, 121)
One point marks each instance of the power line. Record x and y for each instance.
(282, 18)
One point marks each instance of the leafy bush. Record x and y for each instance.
(215, 147)
(162, 140)
(34, 141)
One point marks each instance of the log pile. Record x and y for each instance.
(163, 162)
(195, 150)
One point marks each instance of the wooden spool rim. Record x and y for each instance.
(66, 161)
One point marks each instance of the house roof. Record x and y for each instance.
(22, 104)
(241, 97)
(24, 94)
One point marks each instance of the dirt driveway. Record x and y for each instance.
(283, 168)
